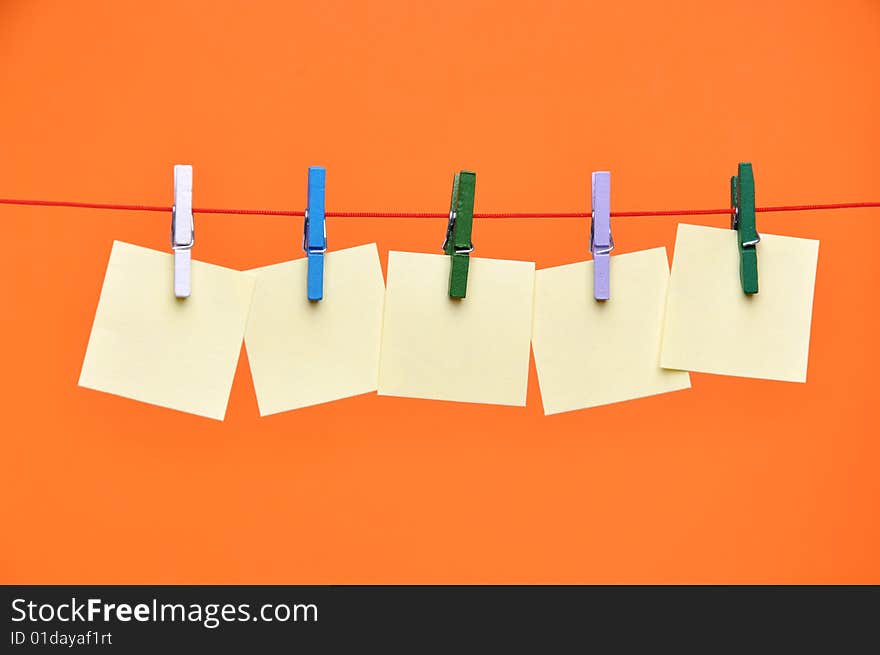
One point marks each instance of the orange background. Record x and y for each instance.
(733, 481)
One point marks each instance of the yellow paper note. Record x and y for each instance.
(470, 350)
(713, 327)
(150, 346)
(304, 353)
(591, 352)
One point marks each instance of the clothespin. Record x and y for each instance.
(742, 202)
(458, 244)
(315, 233)
(183, 234)
(601, 240)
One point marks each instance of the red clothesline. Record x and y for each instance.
(375, 214)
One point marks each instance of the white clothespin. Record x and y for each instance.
(183, 234)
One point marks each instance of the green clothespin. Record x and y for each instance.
(742, 202)
(458, 244)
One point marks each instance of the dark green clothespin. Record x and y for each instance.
(458, 244)
(742, 202)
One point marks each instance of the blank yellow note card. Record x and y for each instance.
(471, 350)
(150, 346)
(591, 352)
(713, 327)
(304, 353)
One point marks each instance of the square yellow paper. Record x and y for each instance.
(713, 327)
(471, 350)
(150, 346)
(304, 353)
(591, 352)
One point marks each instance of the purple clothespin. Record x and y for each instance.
(601, 241)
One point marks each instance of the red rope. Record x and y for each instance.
(802, 208)
(83, 205)
(374, 214)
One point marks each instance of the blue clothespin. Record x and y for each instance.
(601, 241)
(315, 232)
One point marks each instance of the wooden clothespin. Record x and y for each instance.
(183, 234)
(458, 244)
(601, 241)
(742, 202)
(315, 233)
